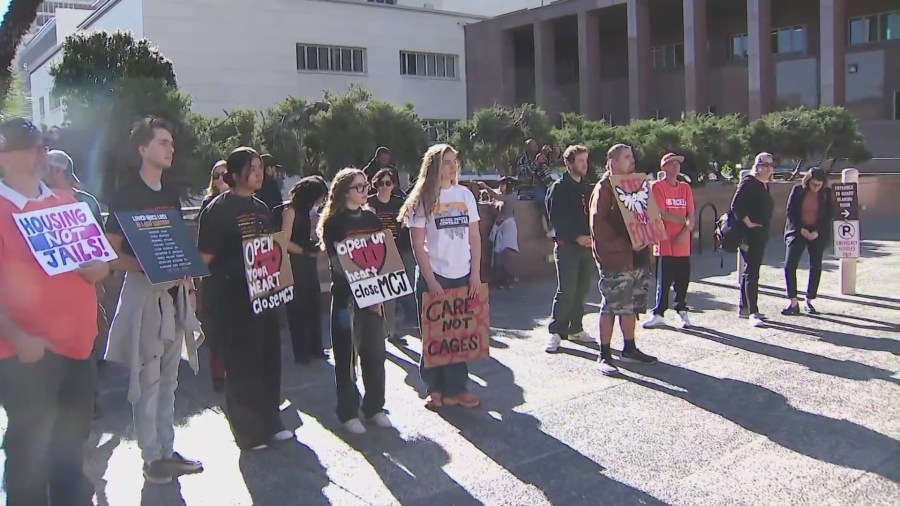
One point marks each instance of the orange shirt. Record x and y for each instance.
(61, 309)
(678, 200)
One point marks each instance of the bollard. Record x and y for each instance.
(740, 259)
(848, 265)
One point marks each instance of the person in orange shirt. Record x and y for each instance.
(47, 330)
(673, 256)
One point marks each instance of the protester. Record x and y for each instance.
(810, 211)
(305, 311)
(152, 322)
(443, 221)
(533, 170)
(624, 269)
(270, 193)
(386, 205)
(250, 342)
(382, 160)
(47, 330)
(217, 186)
(567, 206)
(675, 201)
(753, 206)
(354, 331)
(504, 233)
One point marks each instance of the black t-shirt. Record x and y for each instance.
(338, 228)
(387, 213)
(137, 196)
(224, 225)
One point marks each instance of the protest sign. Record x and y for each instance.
(62, 238)
(268, 270)
(373, 268)
(642, 218)
(162, 245)
(455, 327)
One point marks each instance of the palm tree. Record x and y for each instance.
(18, 19)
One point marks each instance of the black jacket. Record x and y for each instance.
(794, 221)
(270, 193)
(567, 205)
(752, 200)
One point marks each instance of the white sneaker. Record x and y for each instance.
(381, 421)
(553, 343)
(684, 320)
(607, 367)
(654, 322)
(756, 320)
(284, 435)
(354, 426)
(582, 337)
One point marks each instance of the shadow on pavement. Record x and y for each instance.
(842, 339)
(283, 474)
(162, 495)
(769, 414)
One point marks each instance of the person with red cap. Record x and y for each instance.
(673, 255)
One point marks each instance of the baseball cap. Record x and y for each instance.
(670, 157)
(18, 134)
(62, 161)
(269, 161)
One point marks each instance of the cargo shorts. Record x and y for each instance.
(624, 293)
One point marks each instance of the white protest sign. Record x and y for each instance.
(62, 238)
(373, 267)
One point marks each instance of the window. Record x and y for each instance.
(54, 102)
(438, 129)
(738, 50)
(331, 58)
(388, 2)
(42, 106)
(428, 65)
(874, 28)
(670, 56)
(789, 40)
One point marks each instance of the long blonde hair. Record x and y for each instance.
(337, 198)
(211, 190)
(424, 195)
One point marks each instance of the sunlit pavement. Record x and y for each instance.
(805, 410)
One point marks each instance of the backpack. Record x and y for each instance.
(728, 234)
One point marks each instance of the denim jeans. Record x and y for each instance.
(49, 405)
(795, 249)
(448, 380)
(753, 258)
(358, 333)
(672, 271)
(575, 271)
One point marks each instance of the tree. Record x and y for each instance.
(493, 138)
(650, 139)
(597, 136)
(713, 142)
(398, 128)
(217, 137)
(20, 15)
(16, 100)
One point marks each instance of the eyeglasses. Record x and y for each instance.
(218, 175)
(766, 164)
(386, 182)
(361, 188)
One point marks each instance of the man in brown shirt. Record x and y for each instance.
(624, 270)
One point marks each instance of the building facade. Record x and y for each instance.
(232, 54)
(625, 59)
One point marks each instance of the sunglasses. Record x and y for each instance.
(218, 175)
(384, 183)
(361, 188)
(766, 164)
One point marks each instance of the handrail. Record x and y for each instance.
(700, 224)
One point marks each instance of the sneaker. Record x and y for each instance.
(177, 464)
(381, 421)
(465, 399)
(756, 320)
(156, 472)
(743, 314)
(354, 426)
(808, 307)
(684, 321)
(553, 343)
(283, 435)
(397, 339)
(791, 310)
(637, 356)
(581, 336)
(607, 367)
(655, 321)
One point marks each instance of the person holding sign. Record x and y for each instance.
(810, 209)
(354, 331)
(148, 330)
(443, 221)
(47, 328)
(624, 268)
(249, 340)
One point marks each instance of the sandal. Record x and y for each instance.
(465, 399)
(434, 401)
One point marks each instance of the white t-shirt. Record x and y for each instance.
(447, 231)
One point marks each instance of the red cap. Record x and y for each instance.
(670, 157)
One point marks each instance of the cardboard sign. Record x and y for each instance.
(162, 245)
(846, 239)
(642, 218)
(268, 269)
(62, 238)
(455, 328)
(373, 268)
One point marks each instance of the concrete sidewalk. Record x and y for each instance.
(803, 411)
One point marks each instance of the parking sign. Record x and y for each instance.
(846, 239)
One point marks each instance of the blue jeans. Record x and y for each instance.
(448, 380)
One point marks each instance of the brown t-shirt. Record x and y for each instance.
(809, 209)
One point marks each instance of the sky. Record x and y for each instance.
(3, 5)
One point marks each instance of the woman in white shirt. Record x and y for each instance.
(443, 221)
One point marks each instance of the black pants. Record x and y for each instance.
(253, 384)
(49, 405)
(304, 312)
(358, 333)
(753, 258)
(795, 247)
(672, 271)
(575, 271)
